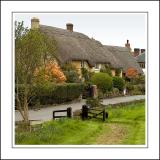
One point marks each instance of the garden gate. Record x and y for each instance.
(88, 113)
(68, 111)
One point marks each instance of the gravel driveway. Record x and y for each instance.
(45, 114)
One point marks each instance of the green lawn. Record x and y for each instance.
(125, 125)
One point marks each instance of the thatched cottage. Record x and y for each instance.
(82, 51)
(141, 61)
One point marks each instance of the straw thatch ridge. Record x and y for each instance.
(77, 46)
(124, 56)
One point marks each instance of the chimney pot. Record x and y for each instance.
(142, 50)
(128, 44)
(136, 52)
(136, 49)
(34, 23)
(69, 27)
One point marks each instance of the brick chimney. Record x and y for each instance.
(136, 52)
(127, 44)
(69, 27)
(34, 23)
(142, 51)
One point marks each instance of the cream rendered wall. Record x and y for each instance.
(77, 64)
(121, 74)
(96, 70)
(113, 71)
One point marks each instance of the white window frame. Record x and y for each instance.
(97, 66)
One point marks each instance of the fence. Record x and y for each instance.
(68, 111)
(88, 113)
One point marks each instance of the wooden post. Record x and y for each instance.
(94, 91)
(104, 115)
(53, 115)
(84, 112)
(69, 112)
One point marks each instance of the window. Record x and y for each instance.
(82, 64)
(96, 66)
(142, 65)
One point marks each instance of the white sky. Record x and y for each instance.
(108, 28)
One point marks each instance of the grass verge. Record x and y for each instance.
(125, 125)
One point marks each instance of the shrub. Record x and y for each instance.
(135, 89)
(86, 74)
(136, 92)
(118, 82)
(103, 81)
(93, 102)
(71, 76)
(100, 94)
(115, 91)
(142, 88)
(71, 73)
(139, 80)
(118, 71)
(87, 90)
(109, 94)
(139, 89)
(129, 87)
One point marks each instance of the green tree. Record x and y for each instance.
(32, 50)
(118, 82)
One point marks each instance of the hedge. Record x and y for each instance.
(103, 81)
(59, 93)
(135, 89)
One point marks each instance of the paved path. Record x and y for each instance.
(45, 114)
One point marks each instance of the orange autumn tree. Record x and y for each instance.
(131, 73)
(50, 72)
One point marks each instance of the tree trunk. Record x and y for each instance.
(23, 109)
(26, 118)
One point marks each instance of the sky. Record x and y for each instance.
(108, 28)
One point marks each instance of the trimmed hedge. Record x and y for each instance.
(59, 93)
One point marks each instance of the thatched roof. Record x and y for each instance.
(125, 58)
(77, 46)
